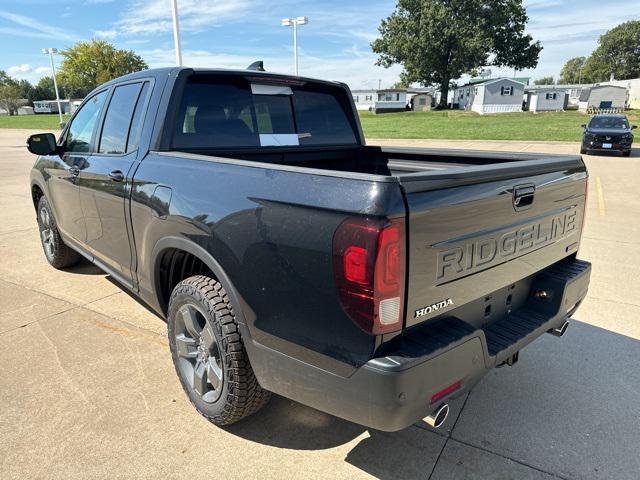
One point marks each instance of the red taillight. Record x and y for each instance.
(369, 266)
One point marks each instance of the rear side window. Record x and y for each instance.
(234, 113)
(120, 132)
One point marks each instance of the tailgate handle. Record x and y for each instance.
(523, 196)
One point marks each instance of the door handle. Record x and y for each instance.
(116, 176)
(74, 171)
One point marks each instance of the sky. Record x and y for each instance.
(335, 45)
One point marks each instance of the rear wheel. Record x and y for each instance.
(57, 252)
(209, 354)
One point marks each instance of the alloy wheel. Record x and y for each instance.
(199, 357)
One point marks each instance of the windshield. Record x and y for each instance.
(233, 112)
(609, 122)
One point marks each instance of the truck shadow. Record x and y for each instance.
(532, 412)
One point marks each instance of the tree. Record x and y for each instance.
(45, 90)
(544, 81)
(5, 79)
(573, 71)
(436, 41)
(89, 64)
(10, 98)
(618, 53)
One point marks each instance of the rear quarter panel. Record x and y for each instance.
(271, 230)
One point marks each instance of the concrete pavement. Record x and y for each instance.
(88, 389)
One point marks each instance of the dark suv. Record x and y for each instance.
(608, 133)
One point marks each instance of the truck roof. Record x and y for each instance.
(163, 72)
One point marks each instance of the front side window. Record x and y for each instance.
(234, 113)
(81, 129)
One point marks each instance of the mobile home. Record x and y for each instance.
(498, 95)
(603, 97)
(546, 100)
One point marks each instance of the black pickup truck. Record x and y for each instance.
(371, 283)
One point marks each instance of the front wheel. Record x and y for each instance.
(208, 353)
(626, 153)
(58, 254)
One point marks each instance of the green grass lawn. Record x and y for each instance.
(455, 124)
(44, 121)
(447, 124)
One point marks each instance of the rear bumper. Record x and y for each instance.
(394, 391)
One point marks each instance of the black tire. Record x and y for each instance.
(58, 254)
(205, 342)
(626, 154)
(583, 151)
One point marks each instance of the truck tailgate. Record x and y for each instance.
(475, 230)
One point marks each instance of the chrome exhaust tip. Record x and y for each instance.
(559, 331)
(437, 418)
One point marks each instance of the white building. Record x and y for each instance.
(391, 100)
(633, 87)
(51, 106)
(364, 99)
(546, 99)
(573, 91)
(498, 95)
(603, 97)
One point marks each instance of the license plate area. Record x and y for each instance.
(607, 145)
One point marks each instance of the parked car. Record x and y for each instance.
(609, 133)
(287, 256)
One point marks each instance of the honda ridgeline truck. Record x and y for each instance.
(287, 256)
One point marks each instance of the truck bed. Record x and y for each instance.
(396, 161)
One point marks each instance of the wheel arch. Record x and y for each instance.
(169, 245)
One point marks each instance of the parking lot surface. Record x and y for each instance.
(88, 390)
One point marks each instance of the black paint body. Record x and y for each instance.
(263, 222)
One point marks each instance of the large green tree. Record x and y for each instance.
(44, 90)
(88, 64)
(436, 41)
(573, 71)
(618, 53)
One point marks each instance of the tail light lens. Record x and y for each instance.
(369, 266)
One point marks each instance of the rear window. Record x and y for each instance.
(236, 113)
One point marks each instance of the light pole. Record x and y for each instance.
(176, 32)
(50, 52)
(294, 22)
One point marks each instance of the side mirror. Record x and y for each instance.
(633, 127)
(584, 125)
(42, 144)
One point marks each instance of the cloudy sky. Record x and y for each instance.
(234, 33)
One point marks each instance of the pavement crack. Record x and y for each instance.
(448, 437)
(506, 457)
(617, 302)
(66, 374)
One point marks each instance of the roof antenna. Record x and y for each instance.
(257, 66)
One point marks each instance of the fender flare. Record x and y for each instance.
(238, 304)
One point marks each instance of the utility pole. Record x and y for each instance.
(176, 32)
(294, 22)
(50, 52)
